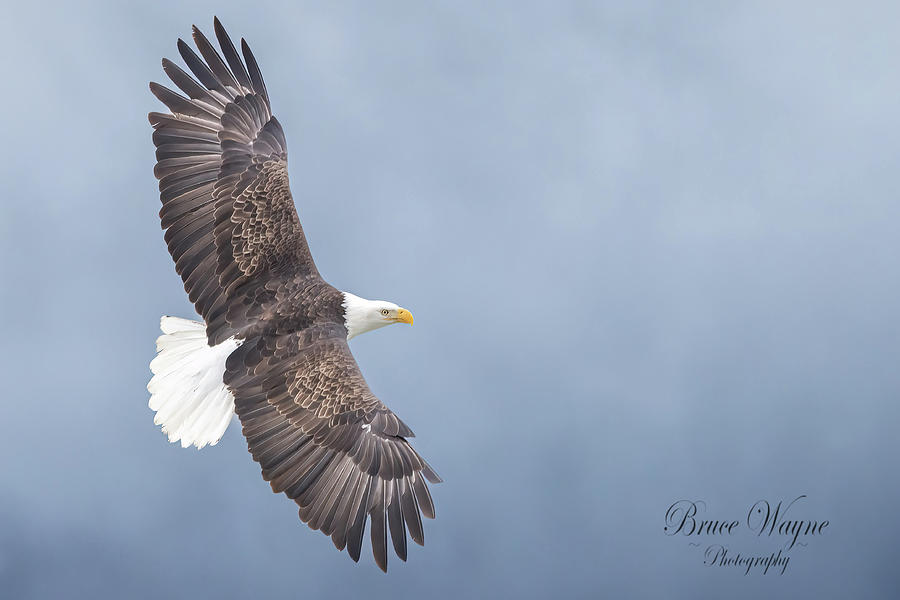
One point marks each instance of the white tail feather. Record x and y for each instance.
(191, 402)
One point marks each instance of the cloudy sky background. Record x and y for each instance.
(652, 254)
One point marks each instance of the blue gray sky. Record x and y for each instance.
(651, 250)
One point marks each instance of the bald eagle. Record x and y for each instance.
(273, 344)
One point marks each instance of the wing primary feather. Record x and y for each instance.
(259, 86)
(378, 529)
(411, 513)
(324, 497)
(198, 67)
(342, 515)
(335, 502)
(214, 61)
(188, 84)
(179, 104)
(355, 535)
(423, 496)
(395, 520)
(231, 55)
(429, 473)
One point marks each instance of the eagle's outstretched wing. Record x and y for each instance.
(227, 208)
(327, 442)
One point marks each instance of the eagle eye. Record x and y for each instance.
(384, 311)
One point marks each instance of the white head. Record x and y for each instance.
(361, 315)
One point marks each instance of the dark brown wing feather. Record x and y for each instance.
(327, 442)
(222, 165)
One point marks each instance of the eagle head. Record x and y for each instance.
(361, 315)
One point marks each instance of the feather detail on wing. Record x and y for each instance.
(328, 443)
(227, 208)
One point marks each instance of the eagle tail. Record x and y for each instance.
(192, 403)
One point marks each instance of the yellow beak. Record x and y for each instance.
(404, 316)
